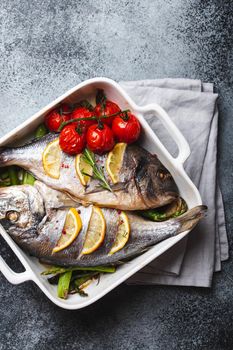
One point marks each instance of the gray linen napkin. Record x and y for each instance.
(192, 106)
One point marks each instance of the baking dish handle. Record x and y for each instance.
(11, 276)
(182, 144)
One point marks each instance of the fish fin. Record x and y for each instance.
(119, 186)
(41, 224)
(116, 187)
(95, 190)
(189, 219)
(77, 200)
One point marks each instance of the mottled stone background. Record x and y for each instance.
(47, 47)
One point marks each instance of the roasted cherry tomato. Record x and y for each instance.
(59, 115)
(72, 139)
(106, 108)
(126, 128)
(100, 138)
(82, 112)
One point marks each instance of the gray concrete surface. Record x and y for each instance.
(46, 47)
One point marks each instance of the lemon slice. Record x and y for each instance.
(95, 232)
(114, 161)
(51, 159)
(122, 235)
(81, 166)
(72, 227)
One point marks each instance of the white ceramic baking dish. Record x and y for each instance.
(151, 142)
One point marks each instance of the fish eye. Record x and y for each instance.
(163, 175)
(12, 216)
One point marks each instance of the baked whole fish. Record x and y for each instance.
(144, 182)
(34, 216)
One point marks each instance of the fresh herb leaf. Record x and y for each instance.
(98, 173)
(86, 174)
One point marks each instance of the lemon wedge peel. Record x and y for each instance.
(80, 167)
(122, 235)
(95, 233)
(72, 227)
(51, 159)
(114, 161)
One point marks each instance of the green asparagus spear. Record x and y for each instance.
(4, 183)
(176, 208)
(4, 178)
(13, 175)
(76, 283)
(81, 280)
(64, 284)
(154, 215)
(28, 179)
(57, 269)
(4, 175)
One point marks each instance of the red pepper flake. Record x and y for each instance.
(119, 212)
(66, 166)
(64, 231)
(79, 211)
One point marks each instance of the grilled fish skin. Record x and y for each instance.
(34, 217)
(144, 182)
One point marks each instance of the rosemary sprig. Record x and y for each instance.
(94, 117)
(98, 173)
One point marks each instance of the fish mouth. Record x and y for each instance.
(173, 195)
(168, 198)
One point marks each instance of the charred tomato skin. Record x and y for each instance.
(100, 139)
(107, 109)
(72, 140)
(126, 129)
(56, 117)
(82, 112)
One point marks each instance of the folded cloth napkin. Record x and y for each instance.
(192, 106)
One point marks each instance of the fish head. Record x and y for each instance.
(155, 183)
(20, 207)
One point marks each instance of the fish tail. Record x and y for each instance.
(189, 219)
